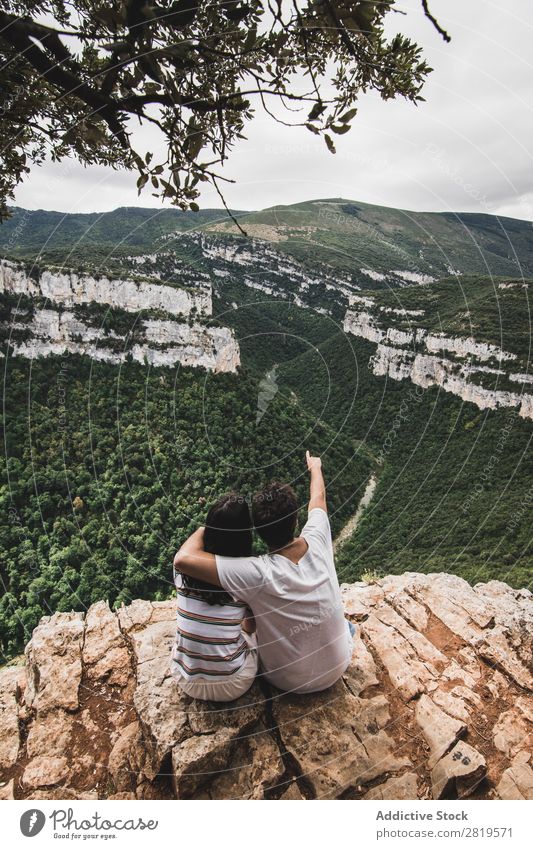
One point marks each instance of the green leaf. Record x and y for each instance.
(316, 111)
(251, 39)
(330, 144)
(347, 117)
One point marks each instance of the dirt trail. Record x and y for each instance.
(353, 521)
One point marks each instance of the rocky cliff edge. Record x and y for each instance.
(437, 703)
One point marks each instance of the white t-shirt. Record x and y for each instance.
(304, 639)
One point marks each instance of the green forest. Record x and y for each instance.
(455, 483)
(107, 471)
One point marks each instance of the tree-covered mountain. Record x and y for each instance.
(29, 233)
(355, 237)
(344, 234)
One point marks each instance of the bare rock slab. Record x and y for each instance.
(516, 782)
(53, 658)
(439, 728)
(9, 715)
(337, 740)
(45, 772)
(95, 712)
(400, 787)
(458, 774)
(197, 761)
(105, 651)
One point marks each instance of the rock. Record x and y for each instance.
(160, 705)
(516, 782)
(45, 772)
(71, 289)
(196, 761)
(292, 793)
(140, 613)
(62, 793)
(255, 767)
(409, 672)
(482, 618)
(413, 612)
(7, 791)
(50, 735)
(361, 672)
(96, 714)
(105, 651)
(360, 598)
(337, 739)
(458, 773)
(127, 758)
(122, 796)
(410, 355)
(207, 717)
(470, 664)
(163, 342)
(458, 702)
(439, 728)
(53, 658)
(400, 787)
(512, 732)
(9, 715)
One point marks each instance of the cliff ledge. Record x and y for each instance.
(437, 703)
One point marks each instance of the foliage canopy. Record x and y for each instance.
(77, 79)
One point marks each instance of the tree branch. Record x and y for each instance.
(434, 21)
(17, 33)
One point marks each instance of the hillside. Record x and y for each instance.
(435, 704)
(375, 244)
(29, 232)
(378, 243)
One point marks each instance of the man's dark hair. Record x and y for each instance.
(275, 514)
(228, 531)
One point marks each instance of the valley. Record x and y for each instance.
(136, 351)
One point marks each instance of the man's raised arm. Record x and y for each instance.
(317, 496)
(192, 560)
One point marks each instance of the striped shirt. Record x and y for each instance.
(209, 639)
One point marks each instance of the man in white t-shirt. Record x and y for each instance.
(304, 640)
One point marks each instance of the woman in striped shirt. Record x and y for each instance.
(215, 652)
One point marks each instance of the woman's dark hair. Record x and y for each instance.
(228, 531)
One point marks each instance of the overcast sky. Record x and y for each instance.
(467, 148)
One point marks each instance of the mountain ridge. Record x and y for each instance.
(376, 246)
(276, 207)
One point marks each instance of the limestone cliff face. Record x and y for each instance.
(418, 355)
(163, 343)
(70, 289)
(437, 702)
(166, 342)
(272, 273)
(425, 371)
